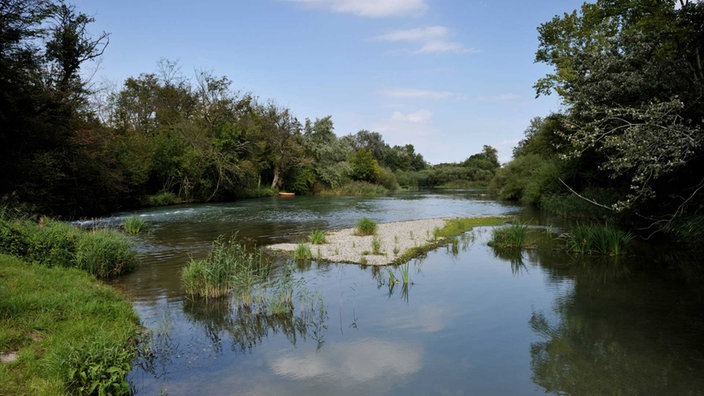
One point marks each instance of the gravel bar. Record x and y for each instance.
(396, 239)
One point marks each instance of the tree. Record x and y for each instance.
(631, 73)
(364, 166)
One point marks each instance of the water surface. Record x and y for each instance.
(473, 321)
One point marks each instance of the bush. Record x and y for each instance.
(134, 225)
(102, 253)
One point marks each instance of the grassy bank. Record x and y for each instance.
(63, 331)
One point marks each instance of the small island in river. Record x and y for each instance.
(393, 243)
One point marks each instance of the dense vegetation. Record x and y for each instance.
(164, 138)
(629, 144)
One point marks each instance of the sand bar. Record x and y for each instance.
(396, 240)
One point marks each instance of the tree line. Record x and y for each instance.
(629, 144)
(163, 137)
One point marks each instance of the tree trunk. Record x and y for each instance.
(275, 182)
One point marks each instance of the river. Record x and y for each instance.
(472, 321)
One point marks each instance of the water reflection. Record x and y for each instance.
(617, 332)
(244, 327)
(351, 363)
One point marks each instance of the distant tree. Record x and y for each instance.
(364, 166)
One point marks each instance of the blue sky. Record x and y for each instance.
(447, 76)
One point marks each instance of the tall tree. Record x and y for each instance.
(631, 73)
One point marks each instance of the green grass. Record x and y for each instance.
(405, 269)
(163, 199)
(73, 335)
(357, 188)
(103, 253)
(513, 236)
(317, 237)
(453, 228)
(229, 266)
(596, 239)
(134, 225)
(376, 246)
(366, 226)
(302, 252)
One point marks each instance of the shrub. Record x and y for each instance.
(163, 198)
(102, 253)
(366, 226)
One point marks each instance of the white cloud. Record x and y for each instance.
(431, 39)
(370, 8)
(352, 363)
(418, 117)
(419, 93)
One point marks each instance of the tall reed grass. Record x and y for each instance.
(229, 266)
(596, 239)
(513, 236)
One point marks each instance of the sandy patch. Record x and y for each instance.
(396, 239)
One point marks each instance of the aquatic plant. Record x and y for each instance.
(376, 245)
(596, 239)
(366, 226)
(134, 225)
(302, 252)
(317, 237)
(405, 269)
(512, 236)
(229, 265)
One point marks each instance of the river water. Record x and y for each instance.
(472, 321)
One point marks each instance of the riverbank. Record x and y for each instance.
(62, 332)
(393, 243)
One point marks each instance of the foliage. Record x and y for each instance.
(364, 166)
(73, 334)
(376, 245)
(366, 226)
(103, 253)
(632, 76)
(358, 188)
(596, 239)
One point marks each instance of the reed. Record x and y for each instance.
(317, 237)
(366, 226)
(302, 252)
(229, 266)
(134, 225)
(405, 269)
(596, 239)
(376, 246)
(513, 236)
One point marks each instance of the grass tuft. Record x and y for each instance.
(317, 237)
(513, 236)
(134, 225)
(366, 226)
(596, 239)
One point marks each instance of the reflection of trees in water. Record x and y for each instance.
(247, 325)
(618, 331)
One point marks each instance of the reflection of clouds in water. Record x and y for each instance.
(426, 319)
(353, 362)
